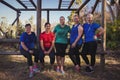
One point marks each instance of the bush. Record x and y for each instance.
(113, 33)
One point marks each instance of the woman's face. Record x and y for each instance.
(89, 18)
(62, 20)
(76, 18)
(48, 27)
(28, 29)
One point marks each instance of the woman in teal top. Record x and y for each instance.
(61, 31)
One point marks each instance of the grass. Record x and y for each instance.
(14, 67)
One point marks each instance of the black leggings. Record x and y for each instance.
(89, 48)
(74, 55)
(27, 55)
(51, 56)
(84, 56)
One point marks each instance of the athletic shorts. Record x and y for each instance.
(60, 49)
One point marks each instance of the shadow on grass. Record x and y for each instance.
(17, 70)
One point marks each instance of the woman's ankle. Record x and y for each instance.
(31, 68)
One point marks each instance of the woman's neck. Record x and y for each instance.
(28, 33)
(76, 23)
(90, 22)
(62, 25)
(47, 31)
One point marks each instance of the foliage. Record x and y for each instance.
(20, 29)
(70, 17)
(113, 33)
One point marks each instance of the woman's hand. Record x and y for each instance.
(73, 45)
(31, 51)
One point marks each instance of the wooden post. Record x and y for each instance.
(48, 19)
(102, 56)
(17, 25)
(17, 19)
(39, 5)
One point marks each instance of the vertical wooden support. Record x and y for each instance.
(48, 18)
(39, 5)
(18, 18)
(17, 24)
(102, 56)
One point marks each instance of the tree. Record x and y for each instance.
(4, 27)
(114, 8)
(70, 18)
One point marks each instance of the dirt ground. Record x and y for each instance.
(14, 67)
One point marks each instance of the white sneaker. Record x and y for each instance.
(36, 70)
(31, 74)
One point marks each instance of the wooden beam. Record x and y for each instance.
(22, 4)
(48, 19)
(10, 53)
(1, 0)
(39, 13)
(10, 6)
(60, 2)
(17, 18)
(33, 3)
(104, 22)
(96, 3)
(9, 41)
(82, 5)
(71, 3)
(102, 61)
(55, 9)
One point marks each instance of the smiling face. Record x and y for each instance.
(62, 20)
(76, 18)
(47, 27)
(28, 28)
(89, 18)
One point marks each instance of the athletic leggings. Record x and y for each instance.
(27, 55)
(51, 56)
(84, 56)
(74, 55)
(89, 48)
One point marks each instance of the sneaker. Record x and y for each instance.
(77, 68)
(89, 70)
(31, 74)
(63, 72)
(57, 70)
(36, 70)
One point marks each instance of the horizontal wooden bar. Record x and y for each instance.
(20, 2)
(9, 41)
(55, 9)
(8, 5)
(10, 53)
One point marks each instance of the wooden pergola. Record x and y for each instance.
(67, 4)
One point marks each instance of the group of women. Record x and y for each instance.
(55, 44)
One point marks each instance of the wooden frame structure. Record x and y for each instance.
(38, 7)
(62, 3)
